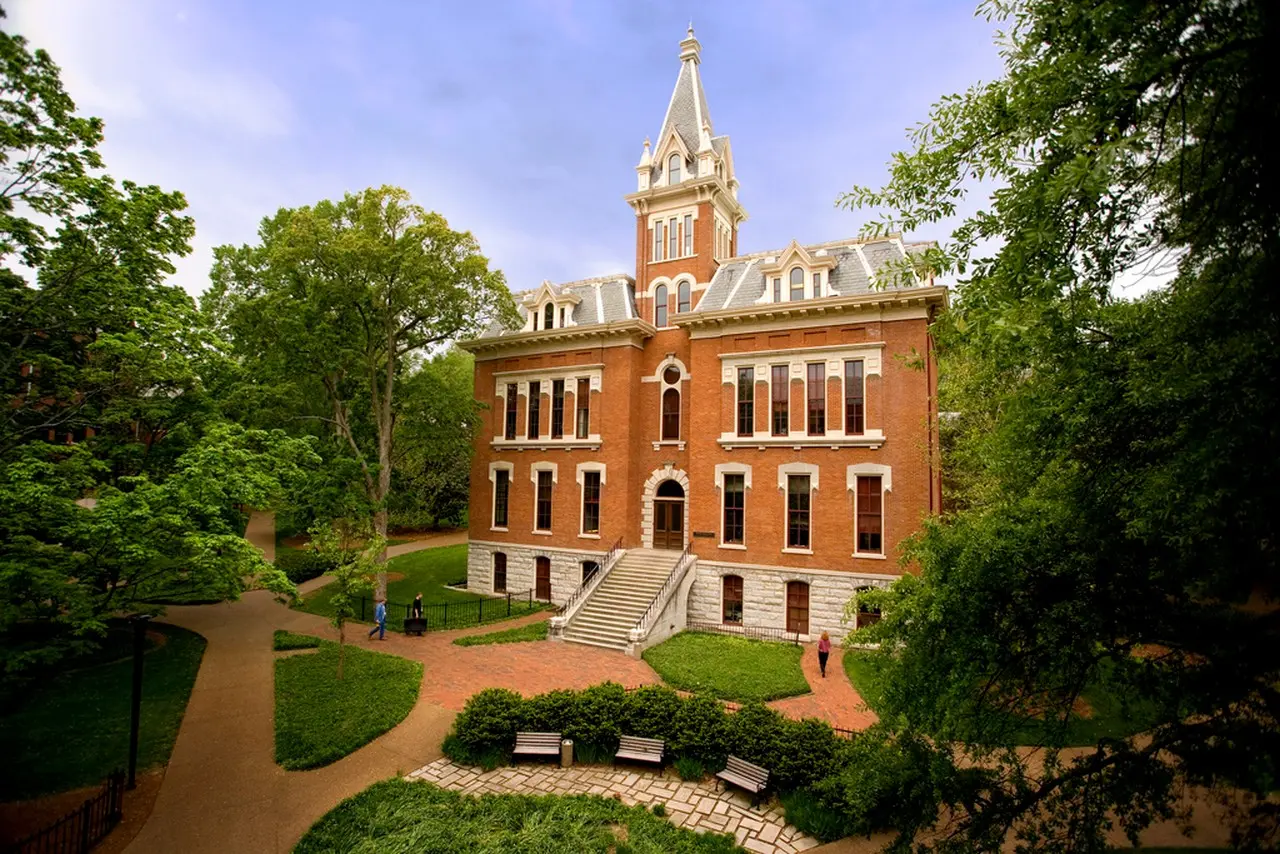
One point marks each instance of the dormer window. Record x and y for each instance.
(549, 316)
(797, 284)
(817, 285)
(673, 169)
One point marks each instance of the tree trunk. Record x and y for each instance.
(342, 647)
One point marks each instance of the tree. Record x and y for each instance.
(348, 293)
(1115, 460)
(100, 366)
(355, 554)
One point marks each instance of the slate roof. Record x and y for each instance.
(739, 282)
(603, 299)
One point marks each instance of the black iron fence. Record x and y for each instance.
(79, 830)
(454, 615)
(753, 632)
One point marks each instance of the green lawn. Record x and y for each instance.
(428, 572)
(399, 817)
(1108, 719)
(72, 729)
(532, 632)
(320, 719)
(727, 667)
(282, 640)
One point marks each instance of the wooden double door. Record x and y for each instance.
(668, 516)
(798, 607)
(542, 578)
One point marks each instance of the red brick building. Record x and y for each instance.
(772, 413)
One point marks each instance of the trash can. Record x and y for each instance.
(566, 752)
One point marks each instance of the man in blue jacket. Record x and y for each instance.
(380, 617)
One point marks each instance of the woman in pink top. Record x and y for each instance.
(824, 650)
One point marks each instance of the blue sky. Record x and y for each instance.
(521, 122)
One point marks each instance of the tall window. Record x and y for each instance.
(777, 289)
(671, 415)
(817, 284)
(688, 234)
(817, 399)
(583, 401)
(734, 509)
(682, 297)
(732, 609)
(591, 502)
(869, 512)
(797, 284)
(673, 169)
(557, 409)
(564, 313)
(535, 407)
(780, 390)
(798, 511)
(854, 410)
(673, 239)
(501, 494)
(549, 316)
(657, 241)
(660, 306)
(510, 431)
(499, 572)
(746, 401)
(542, 514)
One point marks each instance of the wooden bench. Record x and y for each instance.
(641, 749)
(743, 774)
(536, 744)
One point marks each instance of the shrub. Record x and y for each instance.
(809, 750)
(303, 564)
(649, 711)
(487, 758)
(598, 720)
(660, 809)
(755, 734)
(491, 719)
(700, 730)
(554, 711)
(807, 813)
(690, 769)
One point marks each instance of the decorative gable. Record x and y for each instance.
(796, 274)
(548, 307)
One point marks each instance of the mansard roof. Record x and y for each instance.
(740, 282)
(601, 299)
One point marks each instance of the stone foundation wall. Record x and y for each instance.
(566, 568)
(764, 596)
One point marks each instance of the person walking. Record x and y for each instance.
(824, 651)
(380, 617)
(416, 611)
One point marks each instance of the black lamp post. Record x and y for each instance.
(139, 641)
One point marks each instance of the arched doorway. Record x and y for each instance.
(668, 516)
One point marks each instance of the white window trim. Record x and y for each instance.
(663, 385)
(554, 468)
(494, 468)
(723, 469)
(885, 473)
(797, 470)
(581, 476)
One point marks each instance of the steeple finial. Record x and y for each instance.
(689, 48)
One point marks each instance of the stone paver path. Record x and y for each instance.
(833, 699)
(696, 806)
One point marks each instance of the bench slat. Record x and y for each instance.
(742, 773)
(537, 743)
(750, 785)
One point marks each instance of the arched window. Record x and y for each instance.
(660, 306)
(499, 572)
(731, 607)
(671, 414)
(797, 284)
(682, 297)
(549, 316)
(673, 169)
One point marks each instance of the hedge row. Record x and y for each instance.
(845, 786)
(303, 564)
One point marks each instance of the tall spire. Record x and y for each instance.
(687, 112)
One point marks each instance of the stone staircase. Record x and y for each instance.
(607, 616)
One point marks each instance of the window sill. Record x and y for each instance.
(588, 536)
(541, 533)
(831, 440)
(791, 551)
(592, 444)
(735, 546)
(500, 530)
(869, 556)
(669, 443)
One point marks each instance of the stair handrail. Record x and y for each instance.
(687, 559)
(584, 590)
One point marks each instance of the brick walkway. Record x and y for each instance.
(696, 806)
(833, 699)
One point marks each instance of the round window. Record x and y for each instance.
(671, 375)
